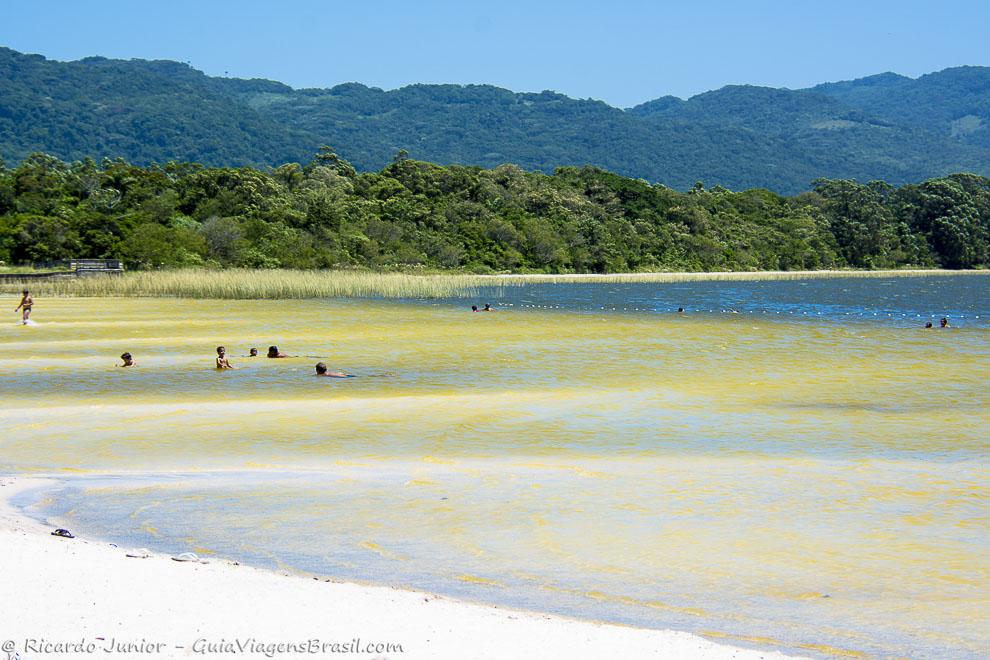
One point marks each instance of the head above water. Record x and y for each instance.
(253, 352)
(125, 356)
(944, 322)
(928, 325)
(474, 308)
(273, 351)
(221, 350)
(321, 368)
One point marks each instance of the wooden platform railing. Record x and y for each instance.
(67, 268)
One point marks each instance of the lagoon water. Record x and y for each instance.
(789, 464)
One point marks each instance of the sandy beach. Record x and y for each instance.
(85, 598)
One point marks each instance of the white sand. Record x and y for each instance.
(82, 592)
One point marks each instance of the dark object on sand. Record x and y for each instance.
(64, 533)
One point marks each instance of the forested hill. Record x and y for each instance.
(883, 127)
(413, 214)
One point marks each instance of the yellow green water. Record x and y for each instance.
(809, 485)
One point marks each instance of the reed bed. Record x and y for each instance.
(736, 276)
(256, 284)
(241, 284)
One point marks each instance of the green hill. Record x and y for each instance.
(952, 103)
(883, 127)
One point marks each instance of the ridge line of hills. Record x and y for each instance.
(887, 126)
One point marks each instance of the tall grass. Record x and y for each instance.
(255, 284)
(285, 284)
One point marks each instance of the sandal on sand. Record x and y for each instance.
(189, 556)
(140, 553)
(64, 533)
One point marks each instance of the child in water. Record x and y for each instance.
(128, 360)
(321, 370)
(253, 352)
(273, 352)
(27, 302)
(222, 361)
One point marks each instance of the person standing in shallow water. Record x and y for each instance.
(27, 302)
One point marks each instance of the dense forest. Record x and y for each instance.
(886, 127)
(414, 214)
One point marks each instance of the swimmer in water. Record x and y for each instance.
(27, 302)
(273, 352)
(253, 352)
(222, 361)
(944, 323)
(128, 360)
(474, 308)
(321, 370)
(488, 308)
(928, 325)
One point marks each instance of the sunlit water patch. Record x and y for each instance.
(813, 484)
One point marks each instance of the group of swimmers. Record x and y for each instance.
(944, 323)
(223, 361)
(488, 308)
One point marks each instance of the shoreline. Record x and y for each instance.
(662, 277)
(247, 284)
(73, 591)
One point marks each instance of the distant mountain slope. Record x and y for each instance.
(882, 127)
(823, 132)
(140, 110)
(953, 103)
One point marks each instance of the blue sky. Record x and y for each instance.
(622, 52)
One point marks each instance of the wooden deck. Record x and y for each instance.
(67, 268)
